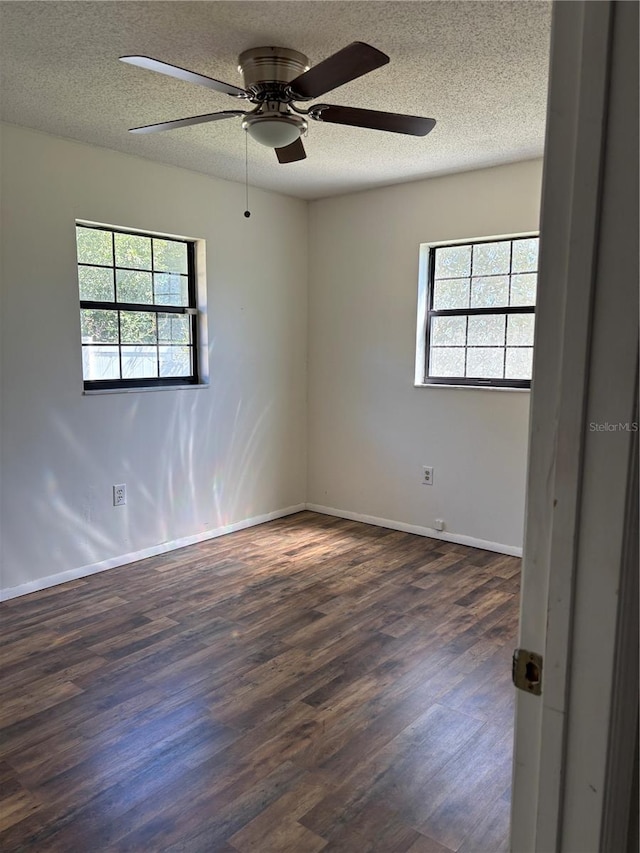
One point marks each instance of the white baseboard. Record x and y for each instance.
(457, 538)
(134, 556)
(173, 545)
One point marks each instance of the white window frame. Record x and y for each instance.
(421, 380)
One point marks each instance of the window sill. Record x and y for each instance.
(99, 391)
(471, 387)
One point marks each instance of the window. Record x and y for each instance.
(137, 309)
(478, 320)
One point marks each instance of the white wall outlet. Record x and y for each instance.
(438, 524)
(120, 495)
(427, 475)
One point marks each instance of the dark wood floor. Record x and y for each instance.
(309, 684)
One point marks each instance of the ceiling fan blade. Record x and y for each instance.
(186, 122)
(291, 153)
(347, 64)
(183, 74)
(374, 119)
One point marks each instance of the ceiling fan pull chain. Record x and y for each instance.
(247, 212)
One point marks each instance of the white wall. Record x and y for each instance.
(370, 429)
(199, 460)
(193, 460)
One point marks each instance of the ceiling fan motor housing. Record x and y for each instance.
(261, 66)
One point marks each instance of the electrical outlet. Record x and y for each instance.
(438, 524)
(120, 495)
(427, 475)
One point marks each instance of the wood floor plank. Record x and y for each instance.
(16, 806)
(308, 684)
(458, 799)
(276, 828)
(374, 827)
(428, 845)
(397, 774)
(492, 833)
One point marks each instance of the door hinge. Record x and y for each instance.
(526, 671)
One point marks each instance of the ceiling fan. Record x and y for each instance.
(276, 77)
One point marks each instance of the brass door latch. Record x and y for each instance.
(526, 671)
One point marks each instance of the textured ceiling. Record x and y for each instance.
(478, 68)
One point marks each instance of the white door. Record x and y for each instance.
(579, 607)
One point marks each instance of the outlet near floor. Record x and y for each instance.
(427, 475)
(120, 494)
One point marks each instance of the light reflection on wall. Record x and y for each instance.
(198, 476)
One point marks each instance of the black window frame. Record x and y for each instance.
(190, 310)
(464, 381)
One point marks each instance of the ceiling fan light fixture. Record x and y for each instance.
(274, 131)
